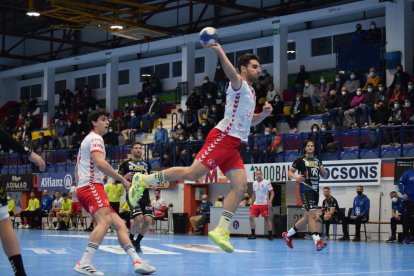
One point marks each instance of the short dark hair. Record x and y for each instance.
(136, 143)
(244, 60)
(157, 190)
(94, 116)
(305, 143)
(326, 188)
(64, 194)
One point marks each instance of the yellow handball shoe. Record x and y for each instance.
(137, 189)
(221, 238)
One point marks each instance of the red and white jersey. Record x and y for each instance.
(87, 170)
(239, 110)
(262, 189)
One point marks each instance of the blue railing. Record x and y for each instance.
(364, 143)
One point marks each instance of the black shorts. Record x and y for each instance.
(310, 199)
(141, 209)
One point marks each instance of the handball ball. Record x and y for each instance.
(208, 36)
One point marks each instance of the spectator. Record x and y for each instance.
(129, 133)
(354, 110)
(10, 205)
(359, 37)
(301, 77)
(208, 102)
(246, 201)
(205, 127)
(410, 91)
(207, 88)
(400, 77)
(408, 112)
(28, 143)
(111, 137)
(219, 202)
(374, 33)
(397, 207)
(330, 210)
(193, 101)
(41, 142)
(20, 121)
(332, 106)
(368, 106)
(60, 134)
(56, 206)
(181, 118)
(159, 206)
(260, 90)
(321, 94)
(220, 78)
(352, 84)
(64, 213)
(271, 92)
(406, 188)
(214, 115)
(337, 84)
(277, 112)
(310, 96)
(30, 212)
(297, 112)
(373, 78)
(380, 114)
(178, 131)
(192, 120)
(154, 112)
(396, 115)
(160, 135)
(398, 95)
(275, 146)
(202, 215)
(382, 94)
(360, 214)
(127, 110)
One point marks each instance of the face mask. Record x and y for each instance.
(396, 106)
(337, 79)
(146, 101)
(27, 139)
(219, 94)
(171, 140)
(132, 114)
(306, 84)
(372, 74)
(205, 81)
(159, 127)
(323, 128)
(191, 138)
(372, 27)
(267, 133)
(181, 138)
(370, 90)
(110, 119)
(204, 201)
(79, 122)
(407, 104)
(69, 124)
(343, 93)
(359, 192)
(277, 100)
(214, 109)
(410, 87)
(203, 124)
(381, 89)
(8, 198)
(322, 81)
(126, 105)
(154, 99)
(297, 98)
(359, 93)
(110, 130)
(179, 126)
(200, 137)
(394, 199)
(90, 109)
(81, 113)
(209, 96)
(314, 130)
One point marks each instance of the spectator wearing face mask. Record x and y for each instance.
(372, 78)
(359, 36)
(208, 102)
(344, 104)
(219, 201)
(207, 88)
(397, 207)
(275, 146)
(271, 92)
(179, 130)
(352, 115)
(297, 112)
(337, 84)
(213, 115)
(128, 134)
(382, 94)
(398, 95)
(374, 33)
(409, 94)
(368, 106)
(27, 142)
(332, 109)
(408, 112)
(400, 77)
(321, 95)
(154, 112)
(205, 127)
(160, 135)
(352, 84)
(309, 96)
(111, 137)
(200, 136)
(193, 100)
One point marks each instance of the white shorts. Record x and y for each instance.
(4, 213)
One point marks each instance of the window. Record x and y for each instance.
(265, 54)
(123, 77)
(291, 51)
(321, 46)
(199, 65)
(176, 69)
(145, 71)
(342, 40)
(93, 81)
(59, 86)
(162, 71)
(27, 92)
(230, 56)
(240, 53)
(103, 80)
(80, 82)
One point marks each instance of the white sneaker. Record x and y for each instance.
(26, 226)
(87, 269)
(71, 228)
(143, 268)
(81, 228)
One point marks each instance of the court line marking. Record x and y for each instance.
(279, 268)
(203, 248)
(87, 237)
(358, 272)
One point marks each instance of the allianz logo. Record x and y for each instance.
(66, 182)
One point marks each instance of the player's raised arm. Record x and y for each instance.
(228, 68)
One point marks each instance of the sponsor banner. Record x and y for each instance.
(340, 173)
(55, 181)
(17, 182)
(401, 165)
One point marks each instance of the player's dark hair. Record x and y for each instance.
(136, 143)
(306, 143)
(157, 190)
(64, 194)
(94, 116)
(245, 59)
(327, 188)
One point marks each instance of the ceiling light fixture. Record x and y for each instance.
(32, 11)
(116, 27)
